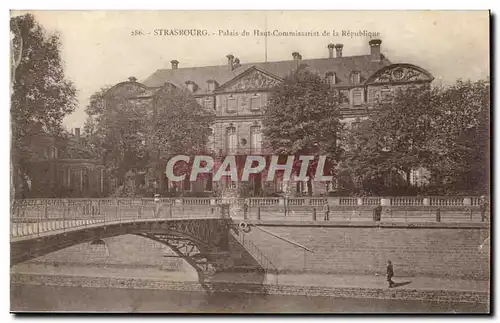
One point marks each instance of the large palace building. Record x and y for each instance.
(237, 92)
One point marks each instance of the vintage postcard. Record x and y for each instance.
(250, 161)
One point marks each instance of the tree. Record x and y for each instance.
(302, 117)
(461, 142)
(118, 134)
(393, 140)
(132, 134)
(94, 125)
(41, 94)
(180, 126)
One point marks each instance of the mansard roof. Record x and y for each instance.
(342, 66)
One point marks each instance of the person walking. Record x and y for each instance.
(326, 211)
(483, 206)
(390, 274)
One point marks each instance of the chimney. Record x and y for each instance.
(236, 63)
(175, 64)
(77, 134)
(296, 56)
(330, 50)
(338, 48)
(375, 49)
(230, 59)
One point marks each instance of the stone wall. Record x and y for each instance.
(343, 292)
(120, 251)
(435, 252)
(438, 251)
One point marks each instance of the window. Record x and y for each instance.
(207, 104)
(386, 95)
(372, 95)
(332, 185)
(357, 97)
(231, 104)
(231, 140)
(279, 187)
(209, 183)
(344, 96)
(302, 187)
(356, 77)
(54, 153)
(355, 125)
(331, 78)
(84, 179)
(255, 102)
(101, 180)
(69, 177)
(186, 184)
(255, 139)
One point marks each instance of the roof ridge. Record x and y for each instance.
(269, 62)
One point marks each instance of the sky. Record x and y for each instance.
(98, 47)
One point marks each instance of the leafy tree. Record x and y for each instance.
(41, 94)
(393, 140)
(444, 130)
(461, 142)
(120, 136)
(136, 134)
(302, 118)
(180, 126)
(93, 128)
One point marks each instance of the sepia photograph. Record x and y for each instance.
(328, 162)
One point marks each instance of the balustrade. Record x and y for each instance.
(35, 216)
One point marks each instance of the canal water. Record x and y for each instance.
(55, 298)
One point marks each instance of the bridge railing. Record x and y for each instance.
(37, 217)
(30, 216)
(444, 201)
(257, 254)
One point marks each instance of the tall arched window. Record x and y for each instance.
(231, 143)
(255, 139)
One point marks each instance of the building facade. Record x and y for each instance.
(62, 167)
(237, 93)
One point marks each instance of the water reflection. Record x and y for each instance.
(47, 298)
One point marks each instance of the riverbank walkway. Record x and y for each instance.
(303, 280)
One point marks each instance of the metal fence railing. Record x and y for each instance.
(258, 255)
(37, 216)
(30, 218)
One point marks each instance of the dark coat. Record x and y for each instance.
(390, 272)
(483, 205)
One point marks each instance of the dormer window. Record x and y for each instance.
(192, 87)
(331, 78)
(207, 104)
(212, 85)
(355, 77)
